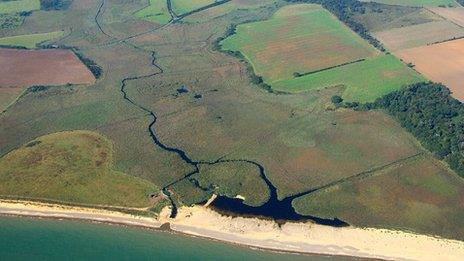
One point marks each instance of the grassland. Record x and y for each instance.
(421, 195)
(231, 6)
(235, 179)
(30, 40)
(380, 75)
(429, 3)
(299, 139)
(7, 7)
(184, 6)
(381, 17)
(298, 38)
(317, 44)
(156, 12)
(73, 167)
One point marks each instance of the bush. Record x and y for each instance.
(48, 5)
(337, 99)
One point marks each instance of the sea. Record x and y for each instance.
(24, 238)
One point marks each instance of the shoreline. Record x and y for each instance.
(297, 238)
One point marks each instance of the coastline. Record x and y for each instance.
(303, 238)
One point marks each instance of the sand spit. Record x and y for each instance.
(254, 232)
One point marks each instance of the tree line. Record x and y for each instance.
(431, 114)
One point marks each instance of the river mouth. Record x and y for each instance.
(279, 211)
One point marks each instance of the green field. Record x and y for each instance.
(365, 81)
(298, 38)
(430, 3)
(74, 167)
(17, 6)
(30, 40)
(156, 12)
(184, 6)
(420, 194)
(235, 179)
(227, 8)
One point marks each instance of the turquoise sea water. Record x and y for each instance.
(39, 239)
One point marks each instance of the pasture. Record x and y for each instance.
(30, 40)
(226, 8)
(442, 62)
(234, 179)
(297, 38)
(419, 35)
(156, 12)
(8, 7)
(419, 3)
(419, 195)
(74, 167)
(380, 76)
(184, 6)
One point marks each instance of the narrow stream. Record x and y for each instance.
(279, 210)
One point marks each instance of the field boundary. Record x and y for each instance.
(361, 175)
(297, 74)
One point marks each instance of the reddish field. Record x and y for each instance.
(21, 68)
(440, 63)
(419, 35)
(455, 15)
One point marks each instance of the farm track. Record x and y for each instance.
(273, 202)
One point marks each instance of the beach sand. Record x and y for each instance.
(253, 232)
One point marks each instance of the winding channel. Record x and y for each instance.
(279, 210)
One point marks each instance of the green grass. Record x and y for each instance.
(19, 6)
(235, 179)
(74, 167)
(421, 195)
(226, 8)
(430, 3)
(30, 40)
(184, 6)
(365, 81)
(156, 12)
(298, 38)
(186, 194)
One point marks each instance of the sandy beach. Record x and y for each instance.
(294, 237)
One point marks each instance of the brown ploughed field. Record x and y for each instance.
(22, 68)
(442, 62)
(455, 15)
